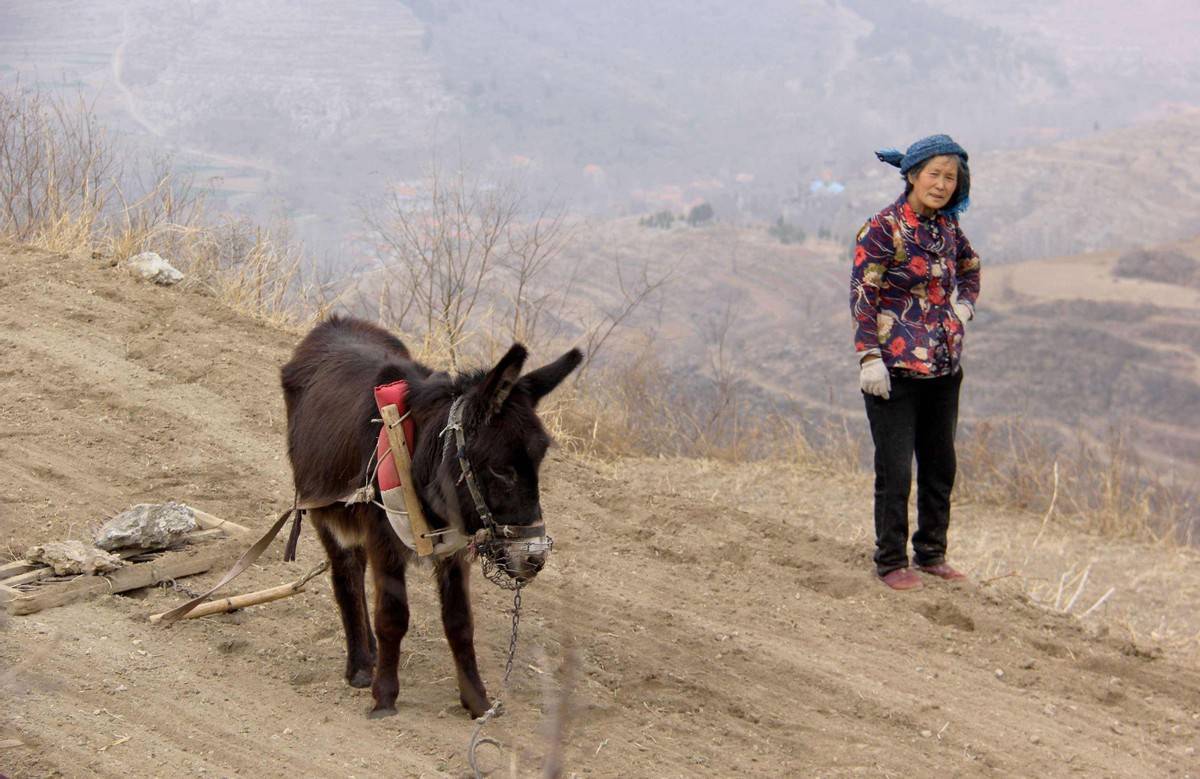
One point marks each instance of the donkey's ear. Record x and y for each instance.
(539, 383)
(500, 380)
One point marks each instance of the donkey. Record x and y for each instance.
(332, 432)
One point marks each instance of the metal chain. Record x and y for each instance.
(190, 593)
(497, 707)
(512, 642)
(493, 565)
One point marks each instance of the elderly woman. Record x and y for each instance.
(914, 283)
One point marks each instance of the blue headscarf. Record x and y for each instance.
(924, 149)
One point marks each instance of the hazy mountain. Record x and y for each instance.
(1113, 189)
(620, 106)
(1080, 116)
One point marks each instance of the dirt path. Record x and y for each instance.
(710, 640)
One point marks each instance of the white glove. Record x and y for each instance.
(964, 311)
(873, 378)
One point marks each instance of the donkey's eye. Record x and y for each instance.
(508, 475)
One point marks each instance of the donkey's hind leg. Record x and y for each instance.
(460, 632)
(388, 560)
(348, 559)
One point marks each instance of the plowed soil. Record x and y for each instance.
(711, 620)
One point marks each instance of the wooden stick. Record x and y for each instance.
(235, 602)
(1082, 584)
(29, 576)
(191, 538)
(42, 571)
(128, 578)
(1098, 603)
(403, 463)
(209, 522)
(8, 593)
(1049, 511)
(16, 567)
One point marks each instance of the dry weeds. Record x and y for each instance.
(65, 187)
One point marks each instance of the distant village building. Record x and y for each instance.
(594, 174)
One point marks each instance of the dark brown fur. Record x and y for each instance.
(328, 390)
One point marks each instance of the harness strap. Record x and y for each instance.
(244, 562)
(454, 425)
(289, 550)
(361, 495)
(521, 531)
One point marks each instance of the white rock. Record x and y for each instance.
(150, 266)
(147, 526)
(72, 557)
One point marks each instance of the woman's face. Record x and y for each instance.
(934, 185)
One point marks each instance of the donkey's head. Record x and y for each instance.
(503, 443)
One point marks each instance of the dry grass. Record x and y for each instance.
(56, 170)
(1144, 590)
(261, 272)
(65, 187)
(1103, 489)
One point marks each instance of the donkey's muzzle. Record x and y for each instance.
(529, 557)
(519, 551)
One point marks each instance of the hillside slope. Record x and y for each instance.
(724, 619)
(1072, 341)
(1062, 343)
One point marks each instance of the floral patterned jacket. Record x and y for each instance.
(905, 268)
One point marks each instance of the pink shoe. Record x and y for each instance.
(942, 571)
(902, 579)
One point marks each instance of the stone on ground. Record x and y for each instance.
(73, 557)
(147, 526)
(151, 267)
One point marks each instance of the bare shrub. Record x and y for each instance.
(636, 406)
(162, 217)
(603, 322)
(457, 250)
(65, 186)
(57, 168)
(259, 271)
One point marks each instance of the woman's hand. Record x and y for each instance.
(964, 311)
(873, 377)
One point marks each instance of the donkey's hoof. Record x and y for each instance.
(476, 711)
(361, 678)
(380, 712)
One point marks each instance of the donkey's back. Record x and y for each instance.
(328, 391)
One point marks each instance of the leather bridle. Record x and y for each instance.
(496, 532)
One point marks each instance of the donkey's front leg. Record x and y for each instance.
(391, 618)
(460, 632)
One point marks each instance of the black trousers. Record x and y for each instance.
(920, 418)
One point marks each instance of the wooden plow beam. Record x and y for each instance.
(28, 587)
(422, 543)
(235, 602)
